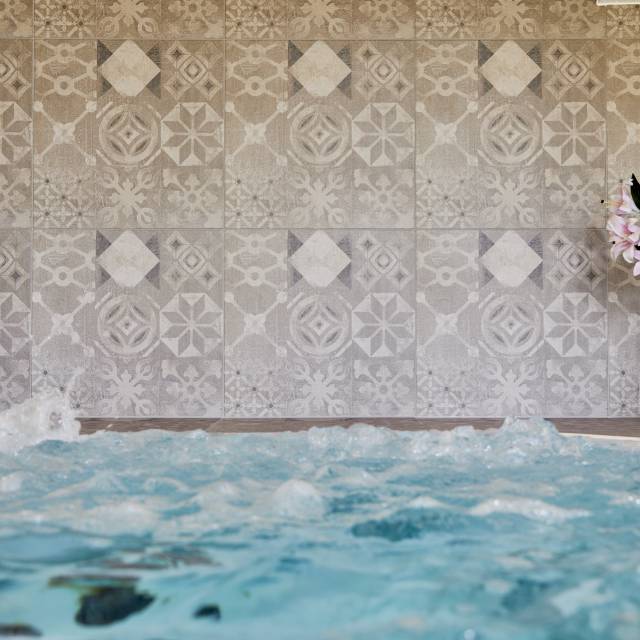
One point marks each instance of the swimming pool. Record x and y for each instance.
(519, 534)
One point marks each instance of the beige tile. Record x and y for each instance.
(193, 19)
(65, 18)
(510, 19)
(623, 21)
(575, 19)
(256, 371)
(16, 19)
(64, 121)
(327, 19)
(436, 19)
(319, 133)
(446, 134)
(125, 19)
(246, 19)
(16, 98)
(255, 121)
(623, 119)
(384, 19)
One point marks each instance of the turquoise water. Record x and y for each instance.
(332, 534)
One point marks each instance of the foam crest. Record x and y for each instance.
(47, 416)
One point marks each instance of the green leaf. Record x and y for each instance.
(635, 190)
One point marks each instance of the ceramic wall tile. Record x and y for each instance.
(15, 316)
(443, 19)
(510, 18)
(319, 306)
(159, 322)
(446, 134)
(126, 19)
(574, 133)
(246, 19)
(160, 134)
(64, 118)
(624, 341)
(447, 316)
(319, 140)
(384, 18)
(383, 134)
(16, 19)
(65, 18)
(63, 316)
(202, 19)
(383, 323)
(510, 138)
(623, 118)
(411, 191)
(623, 21)
(511, 321)
(16, 108)
(256, 369)
(320, 19)
(255, 121)
(574, 19)
(575, 322)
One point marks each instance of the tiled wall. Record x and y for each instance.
(320, 207)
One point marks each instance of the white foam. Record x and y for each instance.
(527, 508)
(47, 416)
(297, 499)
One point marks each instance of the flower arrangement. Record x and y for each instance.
(624, 224)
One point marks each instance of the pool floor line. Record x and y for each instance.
(609, 427)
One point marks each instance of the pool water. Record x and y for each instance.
(517, 534)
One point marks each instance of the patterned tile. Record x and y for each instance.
(446, 134)
(384, 18)
(319, 140)
(327, 19)
(193, 18)
(383, 323)
(575, 19)
(15, 133)
(624, 341)
(383, 135)
(16, 19)
(510, 133)
(320, 133)
(63, 314)
(510, 18)
(160, 140)
(255, 121)
(447, 312)
(446, 19)
(250, 19)
(319, 340)
(15, 316)
(64, 157)
(128, 19)
(576, 263)
(256, 373)
(511, 321)
(623, 120)
(65, 19)
(623, 21)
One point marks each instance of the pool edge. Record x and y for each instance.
(627, 428)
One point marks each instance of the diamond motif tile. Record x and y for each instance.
(511, 69)
(129, 69)
(320, 70)
(319, 260)
(127, 260)
(510, 260)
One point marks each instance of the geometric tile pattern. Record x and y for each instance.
(317, 207)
